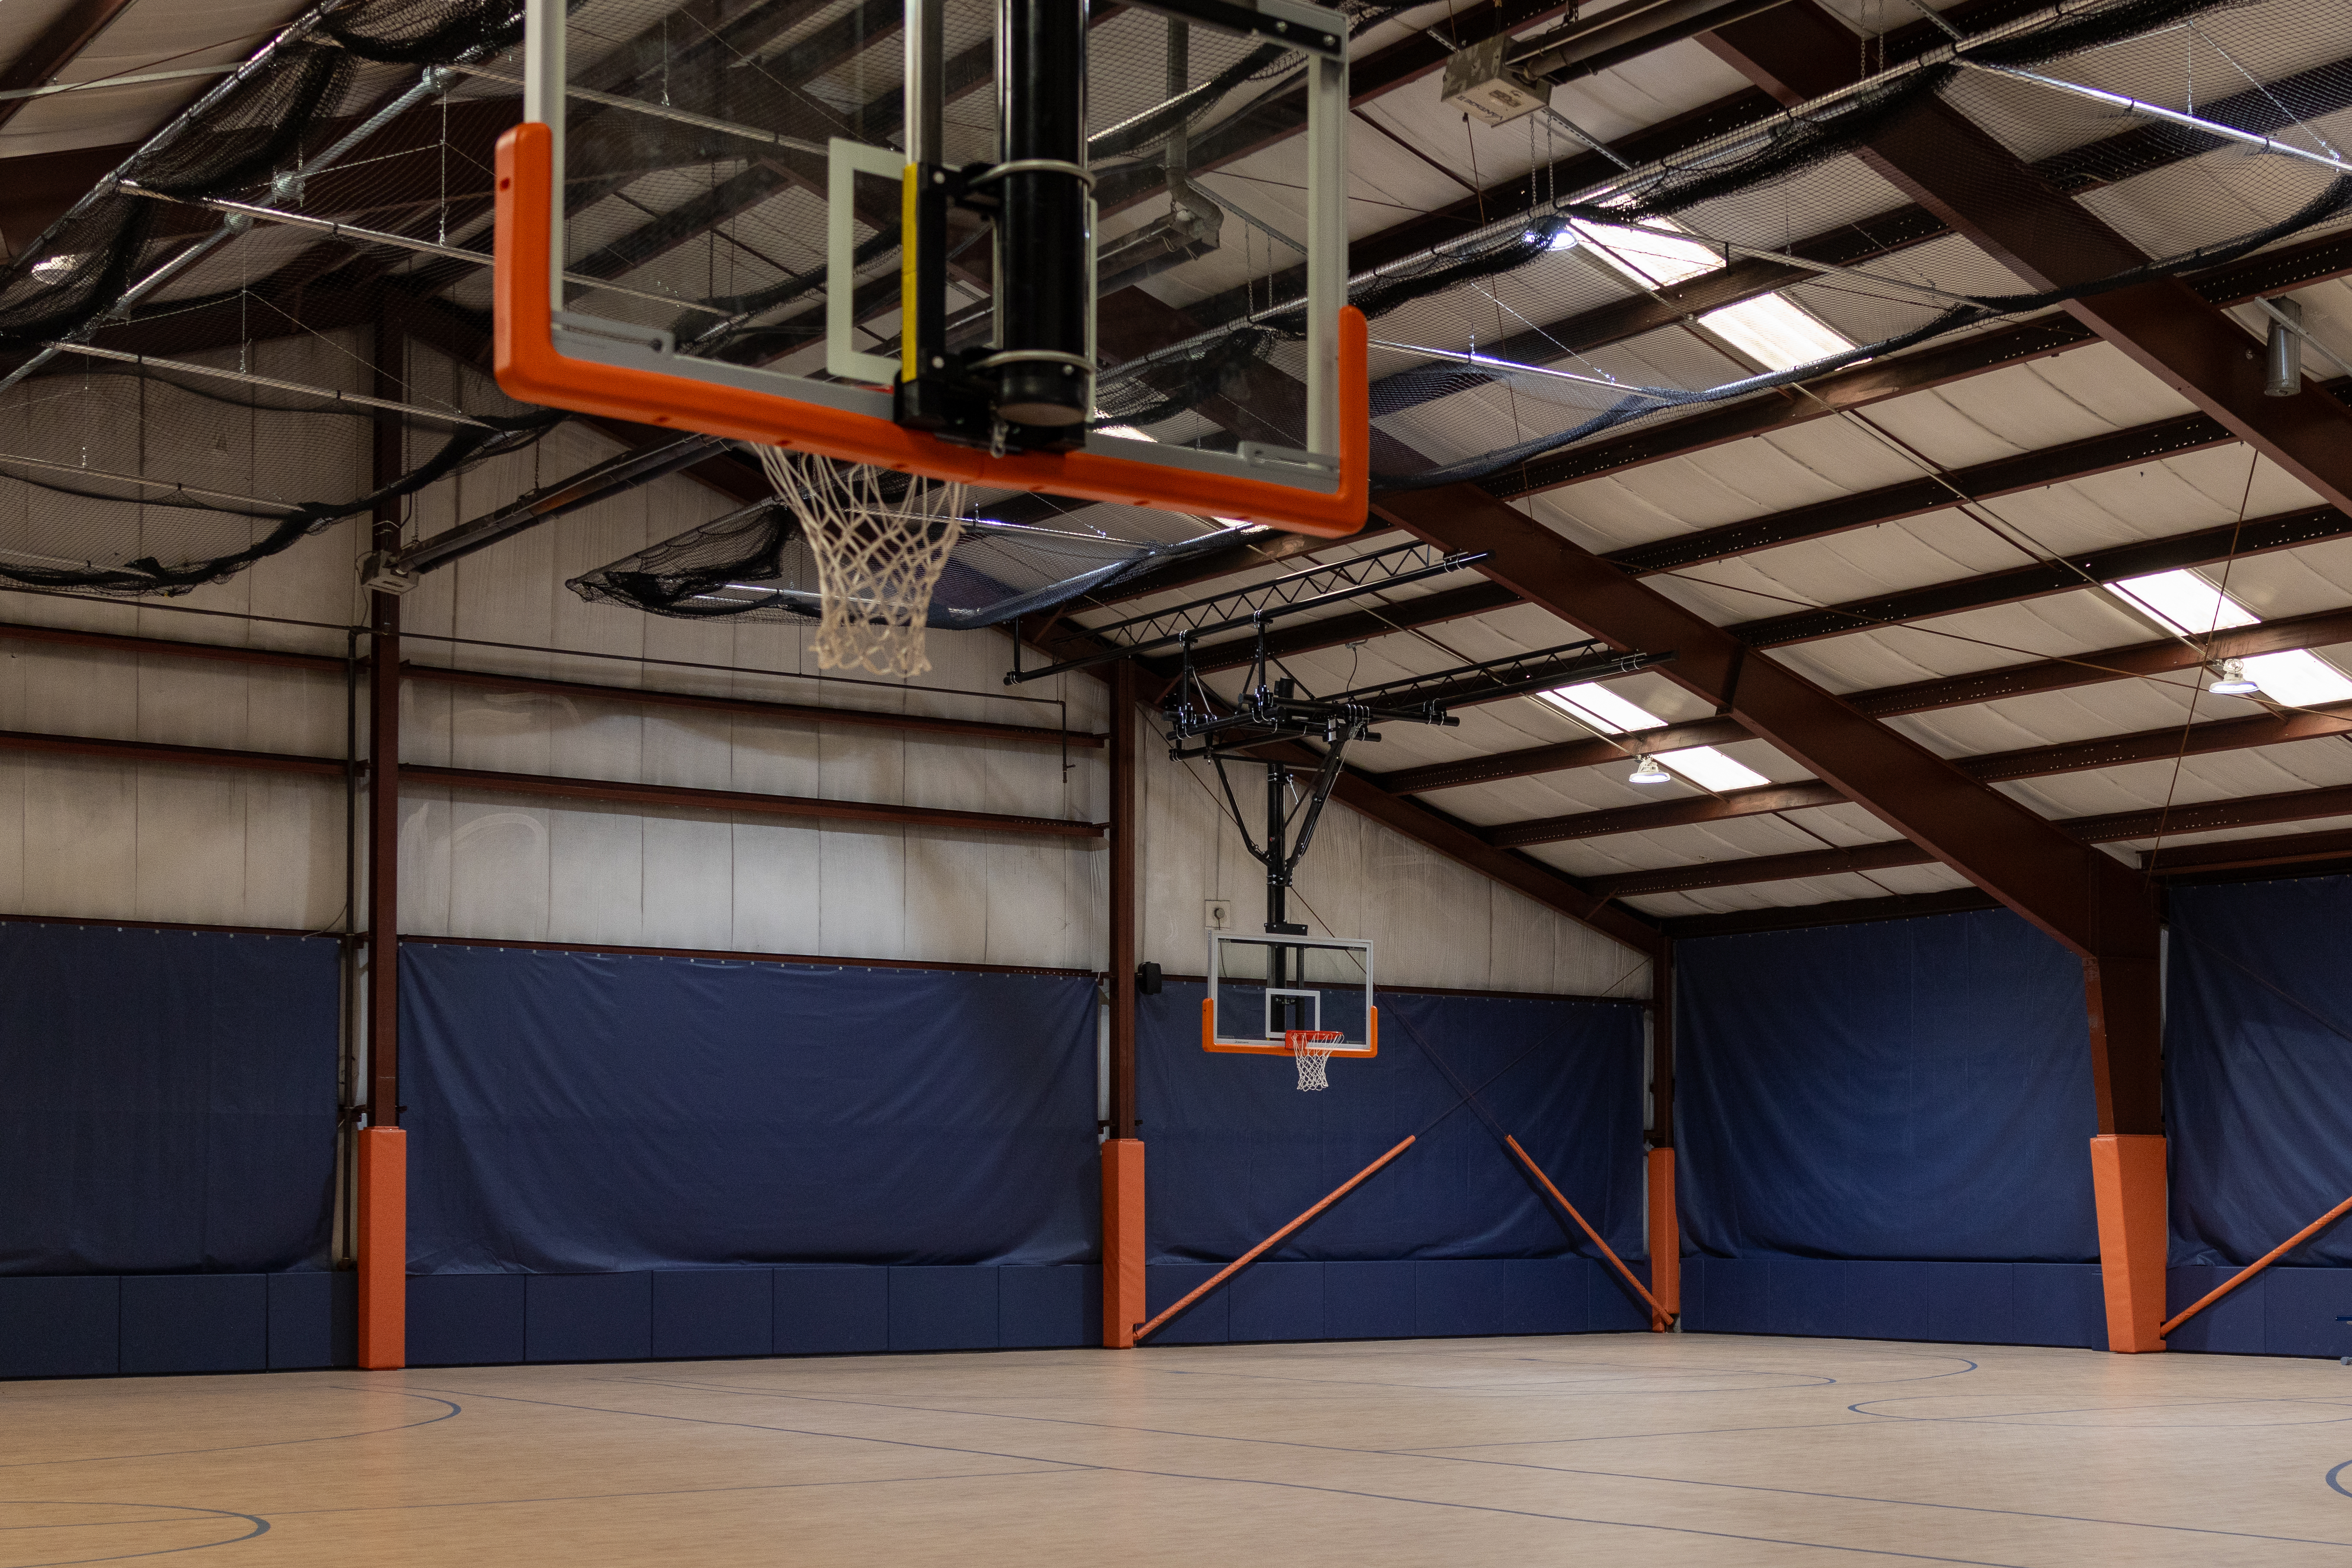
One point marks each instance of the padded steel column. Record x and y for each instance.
(1122, 1151)
(1666, 1225)
(383, 1240)
(1042, 278)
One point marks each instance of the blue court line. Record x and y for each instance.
(1447, 1448)
(260, 1527)
(1060, 1467)
(1515, 1464)
(2334, 1481)
(453, 1410)
(1250, 1480)
(2006, 1417)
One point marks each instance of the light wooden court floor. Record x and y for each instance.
(1600, 1449)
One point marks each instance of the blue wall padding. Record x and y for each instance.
(454, 1319)
(196, 1322)
(1276, 1301)
(1980, 1303)
(2258, 1068)
(575, 1112)
(1235, 1151)
(588, 1317)
(1367, 1300)
(2283, 1311)
(1041, 1308)
(942, 1308)
(64, 1327)
(94, 1325)
(714, 1313)
(313, 1320)
(170, 1101)
(1404, 1300)
(832, 1311)
(1904, 1089)
(460, 1319)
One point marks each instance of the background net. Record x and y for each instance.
(695, 202)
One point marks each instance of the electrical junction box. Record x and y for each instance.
(1479, 84)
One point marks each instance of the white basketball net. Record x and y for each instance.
(877, 560)
(1313, 1049)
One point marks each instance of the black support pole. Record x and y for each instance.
(1045, 377)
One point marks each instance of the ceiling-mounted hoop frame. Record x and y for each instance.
(1341, 1050)
(545, 355)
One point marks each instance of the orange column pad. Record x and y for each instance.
(1666, 1234)
(383, 1247)
(2127, 1178)
(1122, 1241)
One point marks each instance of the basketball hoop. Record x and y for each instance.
(1313, 1049)
(880, 541)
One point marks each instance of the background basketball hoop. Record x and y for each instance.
(1313, 1049)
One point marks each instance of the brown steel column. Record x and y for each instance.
(1957, 170)
(1666, 1225)
(383, 1150)
(1122, 1151)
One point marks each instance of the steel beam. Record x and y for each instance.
(2256, 536)
(68, 33)
(2084, 900)
(1840, 911)
(1575, 825)
(1949, 165)
(2162, 656)
(1560, 756)
(2250, 854)
(2201, 817)
(1914, 498)
(2026, 762)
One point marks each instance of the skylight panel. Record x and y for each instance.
(1710, 769)
(2192, 606)
(2299, 678)
(2185, 602)
(1774, 332)
(1595, 704)
(1657, 259)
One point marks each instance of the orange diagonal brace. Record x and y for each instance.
(1659, 1315)
(1255, 1253)
(2256, 1266)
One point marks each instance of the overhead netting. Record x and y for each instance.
(1805, 256)
(193, 386)
(339, 187)
(756, 562)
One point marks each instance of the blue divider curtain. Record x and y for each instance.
(170, 1101)
(578, 1112)
(1236, 1149)
(2258, 1069)
(1904, 1090)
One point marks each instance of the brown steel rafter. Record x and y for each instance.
(2084, 900)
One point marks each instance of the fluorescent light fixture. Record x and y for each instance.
(1649, 773)
(1774, 332)
(2185, 602)
(2233, 680)
(1710, 769)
